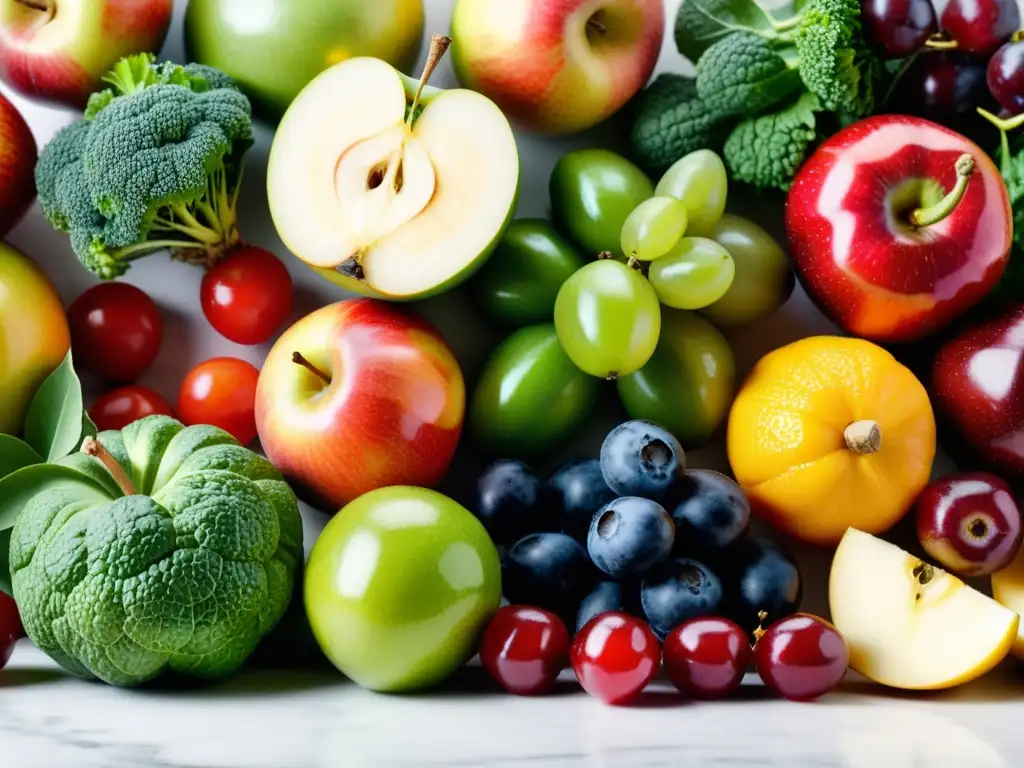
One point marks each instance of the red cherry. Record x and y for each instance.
(10, 628)
(524, 649)
(247, 296)
(116, 331)
(221, 392)
(801, 657)
(615, 656)
(120, 407)
(980, 26)
(707, 657)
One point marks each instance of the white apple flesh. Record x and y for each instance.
(911, 625)
(395, 187)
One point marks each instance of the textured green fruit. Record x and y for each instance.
(593, 191)
(530, 397)
(688, 385)
(518, 284)
(399, 586)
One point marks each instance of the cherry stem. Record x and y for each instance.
(933, 214)
(759, 632)
(941, 42)
(94, 447)
(438, 46)
(298, 359)
(37, 5)
(863, 437)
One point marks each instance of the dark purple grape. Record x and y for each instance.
(1006, 77)
(981, 26)
(946, 87)
(900, 27)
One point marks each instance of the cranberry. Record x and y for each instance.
(707, 657)
(615, 656)
(10, 627)
(801, 657)
(524, 649)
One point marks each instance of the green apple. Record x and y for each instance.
(519, 283)
(593, 191)
(399, 586)
(388, 187)
(688, 384)
(530, 397)
(273, 48)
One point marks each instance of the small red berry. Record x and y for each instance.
(116, 331)
(615, 656)
(524, 648)
(707, 657)
(801, 657)
(247, 296)
(120, 407)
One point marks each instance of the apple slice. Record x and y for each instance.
(911, 625)
(1008, 590)
(391, 188)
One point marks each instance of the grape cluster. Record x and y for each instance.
(633, 531)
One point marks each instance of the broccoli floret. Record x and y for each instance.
(828, 43)
(766, 151)
(156, 164)
(743, 74)
(670, 120)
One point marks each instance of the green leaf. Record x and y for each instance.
(89, 428)
(702, 23)
(18, 488)
(5, 566)
(15, 454)
(53, 426)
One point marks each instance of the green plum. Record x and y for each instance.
(688, 385)
(518, 284)
(530, 397)
(700, 182)
(399, 586)
(593, 191)
(764, 280)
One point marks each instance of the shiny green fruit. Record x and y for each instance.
(399, 586)
(654, 228)
(764, 280)
(688, 384)
(608, 318)
(518, 284)
(696, 273)
(700, 182)
(530, 397)
(593, 191)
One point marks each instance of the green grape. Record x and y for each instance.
(695, 274)
(608, 319)
(699, 181)
(653, 228)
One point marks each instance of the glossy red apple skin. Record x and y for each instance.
(392, 414)
(978, 392)
(970, 523)
(18, 156)
(878, 279)
(61, 56)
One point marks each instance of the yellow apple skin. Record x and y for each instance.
(1008, 590)
(34, 335)
(557, 66)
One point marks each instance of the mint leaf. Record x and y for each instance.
(53, 425)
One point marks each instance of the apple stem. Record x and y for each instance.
(1017, 36)
(298, 359)
(759, 632)
(933, 214)
(940, 41)
(863, 437)
(94, 447)
(438, 46)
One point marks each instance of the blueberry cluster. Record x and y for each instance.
(633, 531)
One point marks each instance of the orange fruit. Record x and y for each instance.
(829, 433)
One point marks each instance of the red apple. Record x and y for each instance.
(978, 390)
(59, 49)
(893, 232)
(357, 396)
(17, 163)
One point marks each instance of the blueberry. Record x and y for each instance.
(609, 596)
(507, 500)
(639, 458)
(575, 492)
(710, 511)
(683, 589)
(629, 536)
(759, 575)
(547, 570)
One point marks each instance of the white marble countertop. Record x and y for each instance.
(277, 719)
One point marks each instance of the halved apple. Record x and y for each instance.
(387, 186)
(1008, 590)
(911, 625)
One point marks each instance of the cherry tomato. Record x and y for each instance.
(221, 392)
(247, 296)
(116, 331)
(120, 407)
